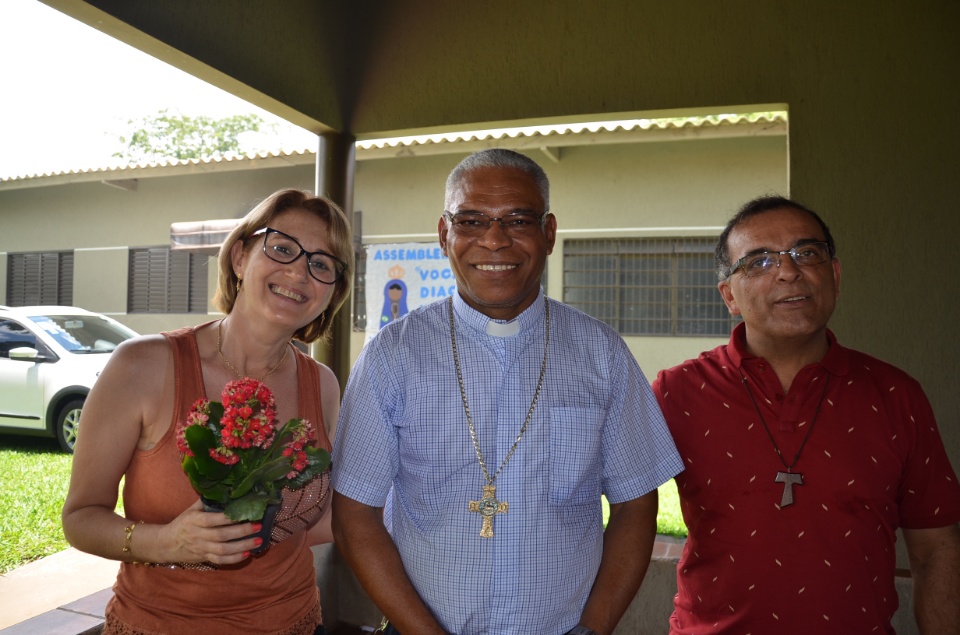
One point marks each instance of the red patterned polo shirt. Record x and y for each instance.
(871, 461)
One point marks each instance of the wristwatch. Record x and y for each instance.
(581, 630)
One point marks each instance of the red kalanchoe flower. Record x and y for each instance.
(224, 455)
(199, 415)
(239, 432)
(293, 449)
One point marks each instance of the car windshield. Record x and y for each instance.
(84, 333)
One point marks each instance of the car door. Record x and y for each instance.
(21, 381)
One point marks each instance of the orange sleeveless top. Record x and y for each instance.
(272, 593)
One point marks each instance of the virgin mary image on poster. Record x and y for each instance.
(394, 301)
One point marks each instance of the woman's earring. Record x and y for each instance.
(239, 283)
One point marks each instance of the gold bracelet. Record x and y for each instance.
(128, 536)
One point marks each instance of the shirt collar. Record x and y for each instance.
(530, 319)
(836, 361)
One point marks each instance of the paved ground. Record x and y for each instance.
(51, 582)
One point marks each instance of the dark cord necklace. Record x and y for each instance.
(788, 478)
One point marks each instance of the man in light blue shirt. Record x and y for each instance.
(477, 435)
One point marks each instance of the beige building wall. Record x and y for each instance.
(100, 279)
(101, 223)
(662, 189)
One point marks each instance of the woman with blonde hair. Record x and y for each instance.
(283, 274)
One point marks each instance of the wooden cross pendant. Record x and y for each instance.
(488, 507)
(788, 479)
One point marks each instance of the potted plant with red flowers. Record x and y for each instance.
(238, 458)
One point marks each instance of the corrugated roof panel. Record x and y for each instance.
(625, 125)
(439, 140)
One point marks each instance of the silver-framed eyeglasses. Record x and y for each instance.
(514, 224)
(280, 247)
(763, 262)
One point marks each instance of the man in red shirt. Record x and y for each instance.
(803, 457)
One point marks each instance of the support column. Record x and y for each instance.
(336, 163)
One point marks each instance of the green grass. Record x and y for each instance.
(34, 476)
(669, 519)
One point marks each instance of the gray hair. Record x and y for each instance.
(499, 158)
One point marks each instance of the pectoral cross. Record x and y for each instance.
(488, 507)
(788, 479)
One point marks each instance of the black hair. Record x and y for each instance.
(753, 208)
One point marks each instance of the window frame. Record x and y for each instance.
(641, 288)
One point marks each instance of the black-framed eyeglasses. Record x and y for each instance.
(514, 224)
(763, 262)
(280, 247)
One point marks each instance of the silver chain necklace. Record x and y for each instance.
(488, 506)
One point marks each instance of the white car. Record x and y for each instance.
(50, 357)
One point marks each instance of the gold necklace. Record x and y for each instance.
(788, 478)
(488, 506)
(234, 368)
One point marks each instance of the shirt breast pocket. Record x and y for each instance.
(575, 460)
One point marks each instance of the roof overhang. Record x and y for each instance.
(550, 140)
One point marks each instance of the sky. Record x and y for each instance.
(67, 92)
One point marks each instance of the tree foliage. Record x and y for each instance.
(174, 136)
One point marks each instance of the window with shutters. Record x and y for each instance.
(165, 281)
(647, 286)
(40, 278)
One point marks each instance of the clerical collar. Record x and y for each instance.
(503, 329)
(532, 317)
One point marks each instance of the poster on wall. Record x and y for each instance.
(400, 277)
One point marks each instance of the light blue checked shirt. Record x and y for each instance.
(403, 443)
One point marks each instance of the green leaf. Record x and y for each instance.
(201, 440)
(264, 475)
(214, 490)
(318, 460)
(249, 507)
(190, 468)
(216, 414)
